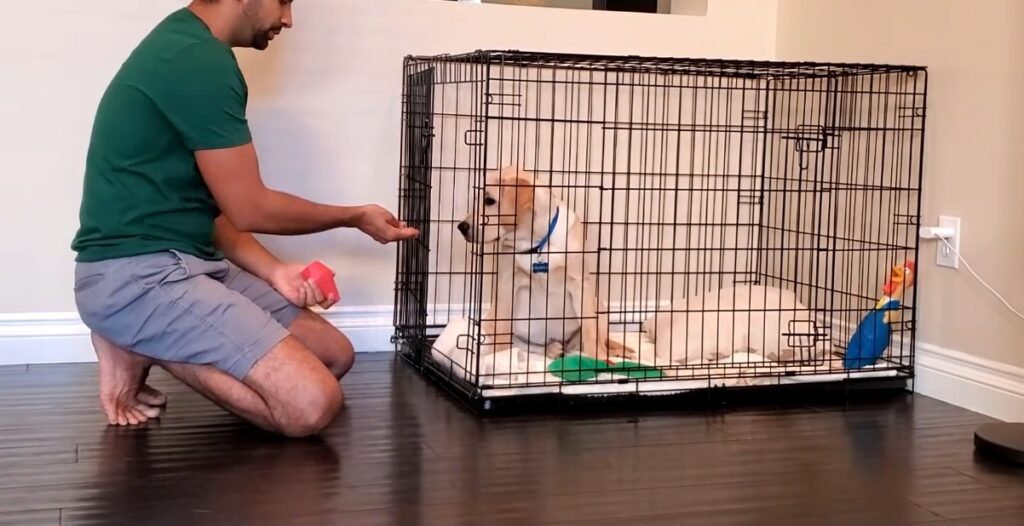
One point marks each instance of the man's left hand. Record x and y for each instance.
(287, 279)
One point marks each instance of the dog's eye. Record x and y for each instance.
(489, 201)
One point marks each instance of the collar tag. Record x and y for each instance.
(540, 267)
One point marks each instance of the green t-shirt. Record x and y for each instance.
(179, 91)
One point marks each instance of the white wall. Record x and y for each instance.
(324, 107)
(974, 135)
(968, 351)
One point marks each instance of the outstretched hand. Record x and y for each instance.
(383, 227)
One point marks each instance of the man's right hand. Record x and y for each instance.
(381, 225)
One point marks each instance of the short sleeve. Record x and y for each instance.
(204, 97)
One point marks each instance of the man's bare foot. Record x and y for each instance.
(151, 396)
(125, 398)
(147, 394)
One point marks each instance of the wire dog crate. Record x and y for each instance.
(604, 225)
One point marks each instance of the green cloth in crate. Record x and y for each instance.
(579, 368)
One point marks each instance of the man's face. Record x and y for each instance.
(265, 19)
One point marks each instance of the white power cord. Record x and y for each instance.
(975, 274)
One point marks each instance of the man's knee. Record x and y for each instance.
(324, 339)
(335, 347)
(319, 407)
(346, 354)
(300, 392)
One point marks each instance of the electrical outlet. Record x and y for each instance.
(944, 257)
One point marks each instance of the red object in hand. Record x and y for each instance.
(323, 278)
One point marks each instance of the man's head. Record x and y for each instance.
(250, 23)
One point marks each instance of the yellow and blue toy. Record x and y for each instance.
(872, 336)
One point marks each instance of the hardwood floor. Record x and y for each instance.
(403, 453)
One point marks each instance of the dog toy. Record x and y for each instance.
(579, 368)
(872, 335)
(323, 278)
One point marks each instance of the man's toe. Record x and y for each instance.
(151, 397)
(148, 411)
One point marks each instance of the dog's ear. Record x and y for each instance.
(524, 194)
(509, 173)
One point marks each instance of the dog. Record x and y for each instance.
(542, 297)
(712, 326)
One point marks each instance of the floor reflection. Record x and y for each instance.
(237, 476)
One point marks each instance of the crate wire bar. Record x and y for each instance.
(732, 200)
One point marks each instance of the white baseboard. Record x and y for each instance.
(61, 337)
(977, 384)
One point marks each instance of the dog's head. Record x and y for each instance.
(507, 201)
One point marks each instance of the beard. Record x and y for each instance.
(260, 40)
(261, 35)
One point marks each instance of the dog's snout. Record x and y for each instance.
(463, 227)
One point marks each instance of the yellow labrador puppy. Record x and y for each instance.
(542, 297)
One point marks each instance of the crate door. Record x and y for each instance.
(414, 207)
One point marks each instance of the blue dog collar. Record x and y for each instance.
(541, 266)
(544, 240)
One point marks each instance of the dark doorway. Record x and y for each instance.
(636, 6)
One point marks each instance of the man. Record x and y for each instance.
(168, 271)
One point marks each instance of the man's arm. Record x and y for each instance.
(233, 176)
(242, 249)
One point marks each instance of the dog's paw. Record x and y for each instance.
(554, 350)
(625, 353)
(617, 350)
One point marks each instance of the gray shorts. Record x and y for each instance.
(176, 307)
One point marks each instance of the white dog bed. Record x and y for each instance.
(452, 352)
(516, 371)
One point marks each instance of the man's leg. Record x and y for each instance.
(288, 391)
(325, 341)
(127, 399)
(269, 396)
